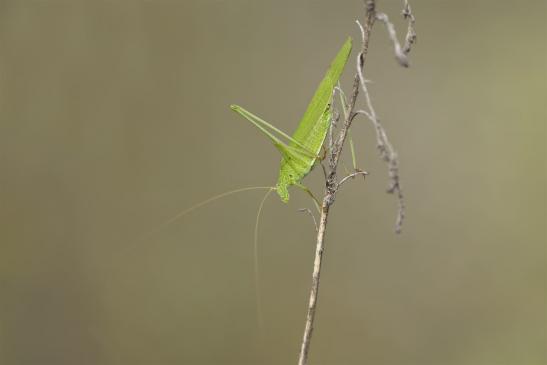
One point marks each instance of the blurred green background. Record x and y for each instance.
(114, 117)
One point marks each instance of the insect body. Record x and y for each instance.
(299, 155)
(301, 152)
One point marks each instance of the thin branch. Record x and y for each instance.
(363, 112)
(336, 145)
(361, 57)
(331, 187)
(387, 153)
(352, 176)
(410, 38)
(344, 102)
(399, 54)
(310, 316)
(335, 117)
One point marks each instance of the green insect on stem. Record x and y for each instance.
(343, 101)
(301, 153)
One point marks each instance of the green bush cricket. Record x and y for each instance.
(301, 153)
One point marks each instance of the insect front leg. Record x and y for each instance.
(323, 154)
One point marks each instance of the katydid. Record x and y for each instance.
(301, 152)
(300, 155)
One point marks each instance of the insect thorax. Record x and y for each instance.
(292, 171)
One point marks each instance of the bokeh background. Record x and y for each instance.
(114, 117)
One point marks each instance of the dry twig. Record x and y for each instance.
(336, 144)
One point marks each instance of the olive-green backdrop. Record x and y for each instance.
(114, 116)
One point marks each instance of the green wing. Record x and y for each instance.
(309, 132)
(313, 127)
(300, 154)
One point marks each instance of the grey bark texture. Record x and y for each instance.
(336, 145)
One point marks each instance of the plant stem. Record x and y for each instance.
(332, 187)
(315, 282)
